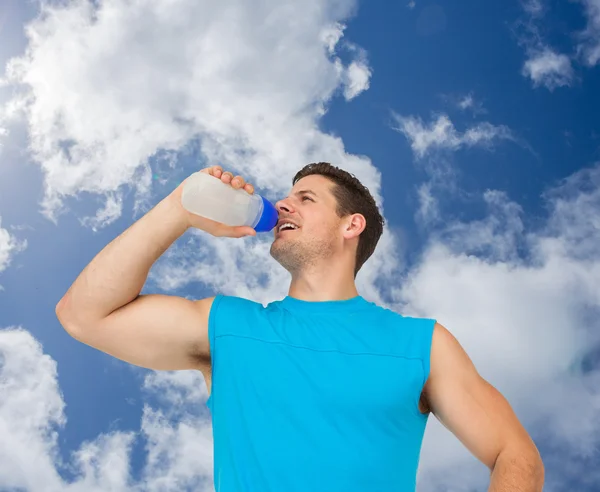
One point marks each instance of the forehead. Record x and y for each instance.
(320, 185)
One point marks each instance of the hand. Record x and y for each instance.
(216, 229)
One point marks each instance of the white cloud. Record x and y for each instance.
(441, 134)
(178, 439)
(412, 4)
(466, 102)
(9, 246)
(428, 211)
(179, 435)
(104, 88)
(331, 35)
(30, 409)
(469, 103)
(590, 45)
(533, 7)
(113, 207)
(101, 464)
(544, 65)
(358, 75)
(548, 68)
(3, 129)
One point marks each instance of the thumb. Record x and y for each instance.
(244, 231)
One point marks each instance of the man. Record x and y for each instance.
(321, 391)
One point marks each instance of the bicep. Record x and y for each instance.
(466, 404)
(154, 331)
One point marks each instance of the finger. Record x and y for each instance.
(243, 231)
(249, 188)
(238, 182)
(226, 177)
(222, 230)
(213, 171)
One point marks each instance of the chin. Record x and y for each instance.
(284, 252)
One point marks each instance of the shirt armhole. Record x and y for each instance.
(426, 350)
(425, 357)
(212, 335)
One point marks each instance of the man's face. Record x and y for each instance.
(311, 208)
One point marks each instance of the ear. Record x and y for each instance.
(354, 225)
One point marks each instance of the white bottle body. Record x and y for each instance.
(209, 197)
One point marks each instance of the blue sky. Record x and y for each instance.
(473, 123)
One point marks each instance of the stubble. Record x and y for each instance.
(301, 254)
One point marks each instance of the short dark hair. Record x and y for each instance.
(352, 198)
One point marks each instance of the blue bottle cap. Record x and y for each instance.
(268, 219)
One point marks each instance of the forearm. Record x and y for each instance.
(514, 472)
(117, 274)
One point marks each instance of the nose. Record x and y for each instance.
(284, 206)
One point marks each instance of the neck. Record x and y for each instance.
(324, 283)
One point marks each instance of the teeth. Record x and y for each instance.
(287, 225)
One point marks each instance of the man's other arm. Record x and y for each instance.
(481, 418)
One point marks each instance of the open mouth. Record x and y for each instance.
(286, 227)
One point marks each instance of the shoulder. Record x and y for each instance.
(222, 302)
(417, 324)
(446, 347)
(409, 331)
(230, 314)
(449, 360)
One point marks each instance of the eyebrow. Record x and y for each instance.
(306, 192)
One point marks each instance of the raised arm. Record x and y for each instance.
(481, 418)
(104, 309)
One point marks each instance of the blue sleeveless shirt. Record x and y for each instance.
(316, 396)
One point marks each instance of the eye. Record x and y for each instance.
(307, 198)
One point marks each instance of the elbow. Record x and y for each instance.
(63, 317)
(537, 466)
(63, 306)
(66, 317)
(60, 310)
(523, 462)
(76, 322)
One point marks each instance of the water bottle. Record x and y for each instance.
(209, 197)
